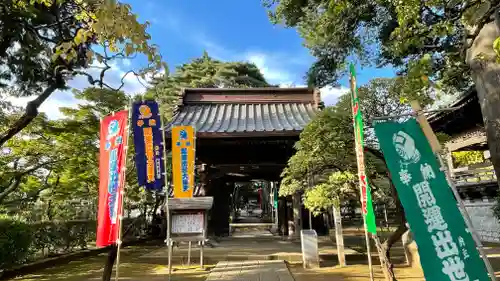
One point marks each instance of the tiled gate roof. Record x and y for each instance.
(230, 111)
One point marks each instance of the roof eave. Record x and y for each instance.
(246, 134)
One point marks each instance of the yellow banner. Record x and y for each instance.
(183, 155)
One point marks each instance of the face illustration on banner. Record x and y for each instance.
(405, 146)
(145, 112)
(113, 129)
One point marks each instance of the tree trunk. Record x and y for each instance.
(384, 249)
(407, 239)
(30, 113)
(486, 74)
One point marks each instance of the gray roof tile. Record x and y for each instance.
(245, 117)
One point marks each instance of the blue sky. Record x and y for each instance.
(227, 30)
(231, 30)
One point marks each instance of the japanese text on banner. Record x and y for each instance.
(112, 156)
(148, 140)
(183, 156)
(447, 250)
(365, 190)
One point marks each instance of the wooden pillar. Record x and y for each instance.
(210, 189)
(220, 211)
(226, 208)
(218, 223)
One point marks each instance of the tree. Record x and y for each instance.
(326, 150)
(29, 164)
(45, 43)
(438, 46)
(203, 72)
(54, 162)
(339, 187)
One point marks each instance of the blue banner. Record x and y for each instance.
(146, 122)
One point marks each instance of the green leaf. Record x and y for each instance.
(496, 46)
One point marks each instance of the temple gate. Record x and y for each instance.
(243, 135)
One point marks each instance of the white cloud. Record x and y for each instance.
(132, 85)
(330, 95)
(291, 85)
(268, 67)
(52, 104)
(271, 65)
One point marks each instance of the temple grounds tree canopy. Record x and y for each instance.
(203, 72)
(52, 162)
(325, 153)
(438, 46)
(46, 43)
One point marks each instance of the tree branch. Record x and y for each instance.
(16, 180)
(30, 113)
(35, 194)
(13, 186)
(100, 81)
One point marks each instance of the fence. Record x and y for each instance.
(476, 174)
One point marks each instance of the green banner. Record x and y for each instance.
(275, 197)
(447, 250)
(365, 190)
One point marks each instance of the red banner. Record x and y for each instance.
(114, 136)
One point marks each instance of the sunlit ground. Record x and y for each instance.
(148, 262)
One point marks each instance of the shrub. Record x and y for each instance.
(15, 241)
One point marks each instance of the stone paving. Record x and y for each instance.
(247, 249)
(250, 271)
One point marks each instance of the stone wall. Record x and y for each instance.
(484, 221)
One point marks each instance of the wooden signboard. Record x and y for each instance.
(188, 223)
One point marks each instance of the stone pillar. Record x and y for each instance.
(339, 236)
(297, 215)
(283, 216)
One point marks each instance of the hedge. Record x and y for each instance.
(16, 238)
(21, 242)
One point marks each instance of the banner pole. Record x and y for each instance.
(358, 142)
(167, 195)
(120, 216)
(436, 147)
